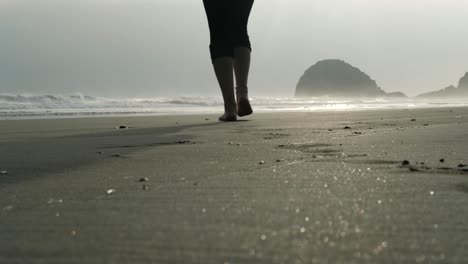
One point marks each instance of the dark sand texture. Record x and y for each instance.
(278, 188)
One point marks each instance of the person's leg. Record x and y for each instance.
(241, 68)
(223, 67)
(222, 53)
(242, 53)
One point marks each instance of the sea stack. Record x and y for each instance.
(337, 78)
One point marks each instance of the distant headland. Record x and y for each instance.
(450, 91)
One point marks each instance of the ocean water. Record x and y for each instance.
(60, 106)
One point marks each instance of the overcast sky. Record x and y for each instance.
(136, 48)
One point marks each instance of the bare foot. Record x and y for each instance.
(228, 117)
(243, 106)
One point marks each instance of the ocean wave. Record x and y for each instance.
(78, 101)
(27, 105)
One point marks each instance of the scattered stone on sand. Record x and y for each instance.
(279, 160)
(143, 179)
(405, 163)
(54, 201)
(110, 191)
(413, 119)
(8, 208)
(145, 187)
(358, 133)
(412, 168)
(261, 162)
(461, 165)
(122, 127)
(116, 155)
(3, 172)
(347, 127)
(184, 141)
(442, 160)
(206, 119)
(231, 143)
(426, 124)
(330, 129)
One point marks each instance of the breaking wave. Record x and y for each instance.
(53, 106)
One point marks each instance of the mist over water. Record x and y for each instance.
(78, 105)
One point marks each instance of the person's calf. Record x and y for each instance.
(223, 67)
(241, 69)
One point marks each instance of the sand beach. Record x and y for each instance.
(380, 186)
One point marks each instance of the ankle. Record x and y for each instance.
(241, 92)
(230, 108)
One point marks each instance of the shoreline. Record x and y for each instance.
(272, 105)
(213, 112)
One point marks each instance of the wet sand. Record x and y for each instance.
(273, 188)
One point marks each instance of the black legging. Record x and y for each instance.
(228, 20)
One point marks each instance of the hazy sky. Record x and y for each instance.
(136, 48)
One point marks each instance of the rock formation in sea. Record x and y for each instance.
(336, 78)
(450, 91)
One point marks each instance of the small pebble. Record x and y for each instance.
(8, 208)
(206, 119)
(442, 160)
(412, 168)
(413, 119)
(330, 129)
(144, 179)
(145, 187)
(3, 172)
(426, 124)
(184, 141)
(54, 201)
(122, 127)
(100, 152)
(405, 163)
(358, 133)
(461, 165)
(261, 162)
(278, 160)
(117, 155)
(110, 191)
(347, 127)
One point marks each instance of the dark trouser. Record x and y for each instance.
(228, 21)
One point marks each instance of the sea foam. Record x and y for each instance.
(54, 106)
